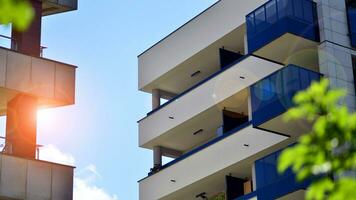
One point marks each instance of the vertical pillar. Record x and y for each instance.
(245, 44)
(156, 98)
(29, 42)
(249, 105)
(21, 127)
(157, 157)
(254, 187)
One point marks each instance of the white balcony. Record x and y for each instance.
(52, 82)
(34, 180)
(194, 46)
(200, 108)
(205, 170)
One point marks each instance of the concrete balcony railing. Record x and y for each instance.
(52, 82)
(34, 180)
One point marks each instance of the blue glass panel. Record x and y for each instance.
(284, 8)
(250, 20)
(308, 16)
(270, 184)
(277, 17)
(274, 94)
(260, 19)
(298, 8)
(271, 12)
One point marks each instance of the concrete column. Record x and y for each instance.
(249, 105)
(254, 187)
(157, 156)
(21, 127)
(29, 42)
(156, 98)
(245, 44)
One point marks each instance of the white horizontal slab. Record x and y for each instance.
(207, 162)
(194, 36)
(53, 83)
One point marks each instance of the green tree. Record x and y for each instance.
(327, 154)
(18, 12)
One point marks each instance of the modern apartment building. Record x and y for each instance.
(28, 81)
(228, 77)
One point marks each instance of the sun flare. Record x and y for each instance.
(44, 116)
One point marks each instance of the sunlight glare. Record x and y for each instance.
(44, 116)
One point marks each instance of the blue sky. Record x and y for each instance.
(103, 38)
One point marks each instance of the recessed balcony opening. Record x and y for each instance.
(228, 184)
(285, 31)
(214, 58)
(212, 123)
(273, 96)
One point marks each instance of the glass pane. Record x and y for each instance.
(298, 8)
(250, 24)
(352, 19)
(308, 11)
(260, 19)
(271, 12)
(284, 8)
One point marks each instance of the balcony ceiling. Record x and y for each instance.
(292, 49)
(50, 7)
(293, 129)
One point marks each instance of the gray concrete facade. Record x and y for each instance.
(335, 52)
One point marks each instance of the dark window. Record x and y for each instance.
(354, 69)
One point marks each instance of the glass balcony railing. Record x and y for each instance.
(273, 95)
(277, 17)
(270, 184)
(351, 15)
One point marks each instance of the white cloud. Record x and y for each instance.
(84, 186)
(53, 154)
(85, 190)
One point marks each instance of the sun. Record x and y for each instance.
(44, 116)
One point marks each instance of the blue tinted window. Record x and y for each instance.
(352, 19)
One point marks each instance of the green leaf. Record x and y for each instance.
(18, 12)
